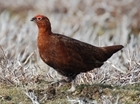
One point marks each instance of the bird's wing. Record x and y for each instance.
(84, 53)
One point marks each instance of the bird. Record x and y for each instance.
(66, 55)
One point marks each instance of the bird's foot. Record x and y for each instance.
(72, 89)
(73, 86)
(61, 82)
(58, 83)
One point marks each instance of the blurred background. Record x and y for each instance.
(98, 22)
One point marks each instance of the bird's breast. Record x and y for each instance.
(48, 50)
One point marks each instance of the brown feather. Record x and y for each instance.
(66, 55)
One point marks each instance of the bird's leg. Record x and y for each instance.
(73, 86)
(71, 80)
(59, 82)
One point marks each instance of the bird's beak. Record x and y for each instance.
(33, 19)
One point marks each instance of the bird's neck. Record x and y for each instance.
(45, 31)
(43, 38)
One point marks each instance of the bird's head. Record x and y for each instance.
(42, 22)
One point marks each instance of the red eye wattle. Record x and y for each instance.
(39, 18)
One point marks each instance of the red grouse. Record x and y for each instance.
(66, 55)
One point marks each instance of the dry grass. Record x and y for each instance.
(99, 23)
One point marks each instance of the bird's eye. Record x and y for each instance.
(39, 18)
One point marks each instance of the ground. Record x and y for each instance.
(96, 93)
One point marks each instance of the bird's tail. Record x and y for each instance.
(113, 49)
(110, 50)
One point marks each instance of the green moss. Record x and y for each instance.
(12, 95)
